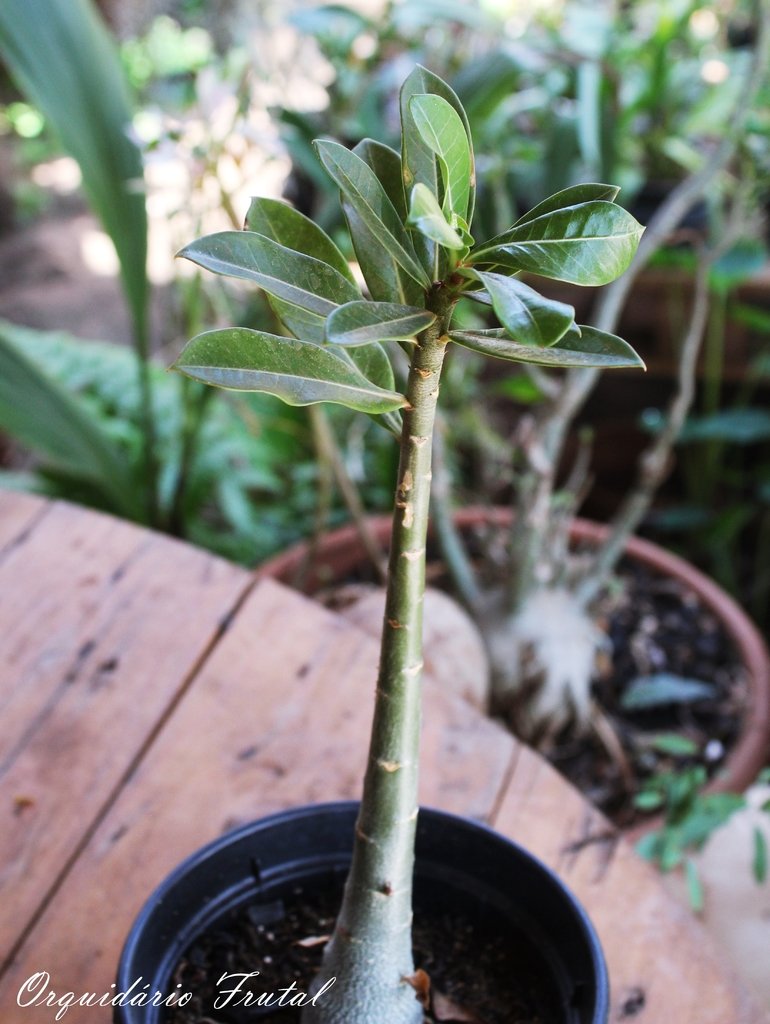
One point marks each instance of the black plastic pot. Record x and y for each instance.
(459, 863)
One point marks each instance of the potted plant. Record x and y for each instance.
(410, 217)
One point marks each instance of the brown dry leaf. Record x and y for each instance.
(447, 1011)
(420, 982)
(312, 940)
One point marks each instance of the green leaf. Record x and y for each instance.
(385, 279)
(648, 800)
(292, 229)
(283, 273)
(527, 315)
(419, 162)
(759, 861)
(362, 189)
(572, 196)
(443, 132)
(673, 744)
(426, 215)
(589, 244)
(277, 220)
(41, 413)
(590, 348)
(63, 59)
(664, 688)
(360, 323)
(694, 886)
(734, 426)
(386, 164)
(299, 372)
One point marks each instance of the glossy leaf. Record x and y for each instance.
(527, 315)
(426, 215)
(571, 196)
(589, 244)
(360, 323)
(419, 162)
(40, 412)
(298, 372)
(282, 272)
(443, 132)
(590, 348)
(363, 191)
(386, 164)
(292, 229)
(62, 57)
(385, 279)
(277, 220)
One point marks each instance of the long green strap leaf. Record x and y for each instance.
(590, 348)
(63, 59)
(361, 323)
(284, 273)
(299, 372)
(39, 412)
(362, 189)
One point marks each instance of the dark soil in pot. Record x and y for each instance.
(498, 935)
(656, 628)
(468, 963)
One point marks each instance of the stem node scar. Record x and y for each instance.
(413, 556)
(418, 442)
(391, 766)
(408, 508)
(423, 373)
(414, 670)
(395, 624)
(364, 837)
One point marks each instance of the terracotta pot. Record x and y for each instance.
(341, 551)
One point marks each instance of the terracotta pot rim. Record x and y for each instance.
(743, 763)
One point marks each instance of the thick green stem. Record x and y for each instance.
(370, 953)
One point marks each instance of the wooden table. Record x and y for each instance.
(152, 696)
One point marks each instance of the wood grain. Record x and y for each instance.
(18, 513)
(98, 640)
(278, 716)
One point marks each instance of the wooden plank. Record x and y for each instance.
(664, 968)
(59, 584)
(18, 514)
(278, 716)
(100, 633)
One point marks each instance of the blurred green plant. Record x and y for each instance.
(249, 491)
(691, 815)
(64, 60)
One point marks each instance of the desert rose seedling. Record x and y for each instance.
(410, 218)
